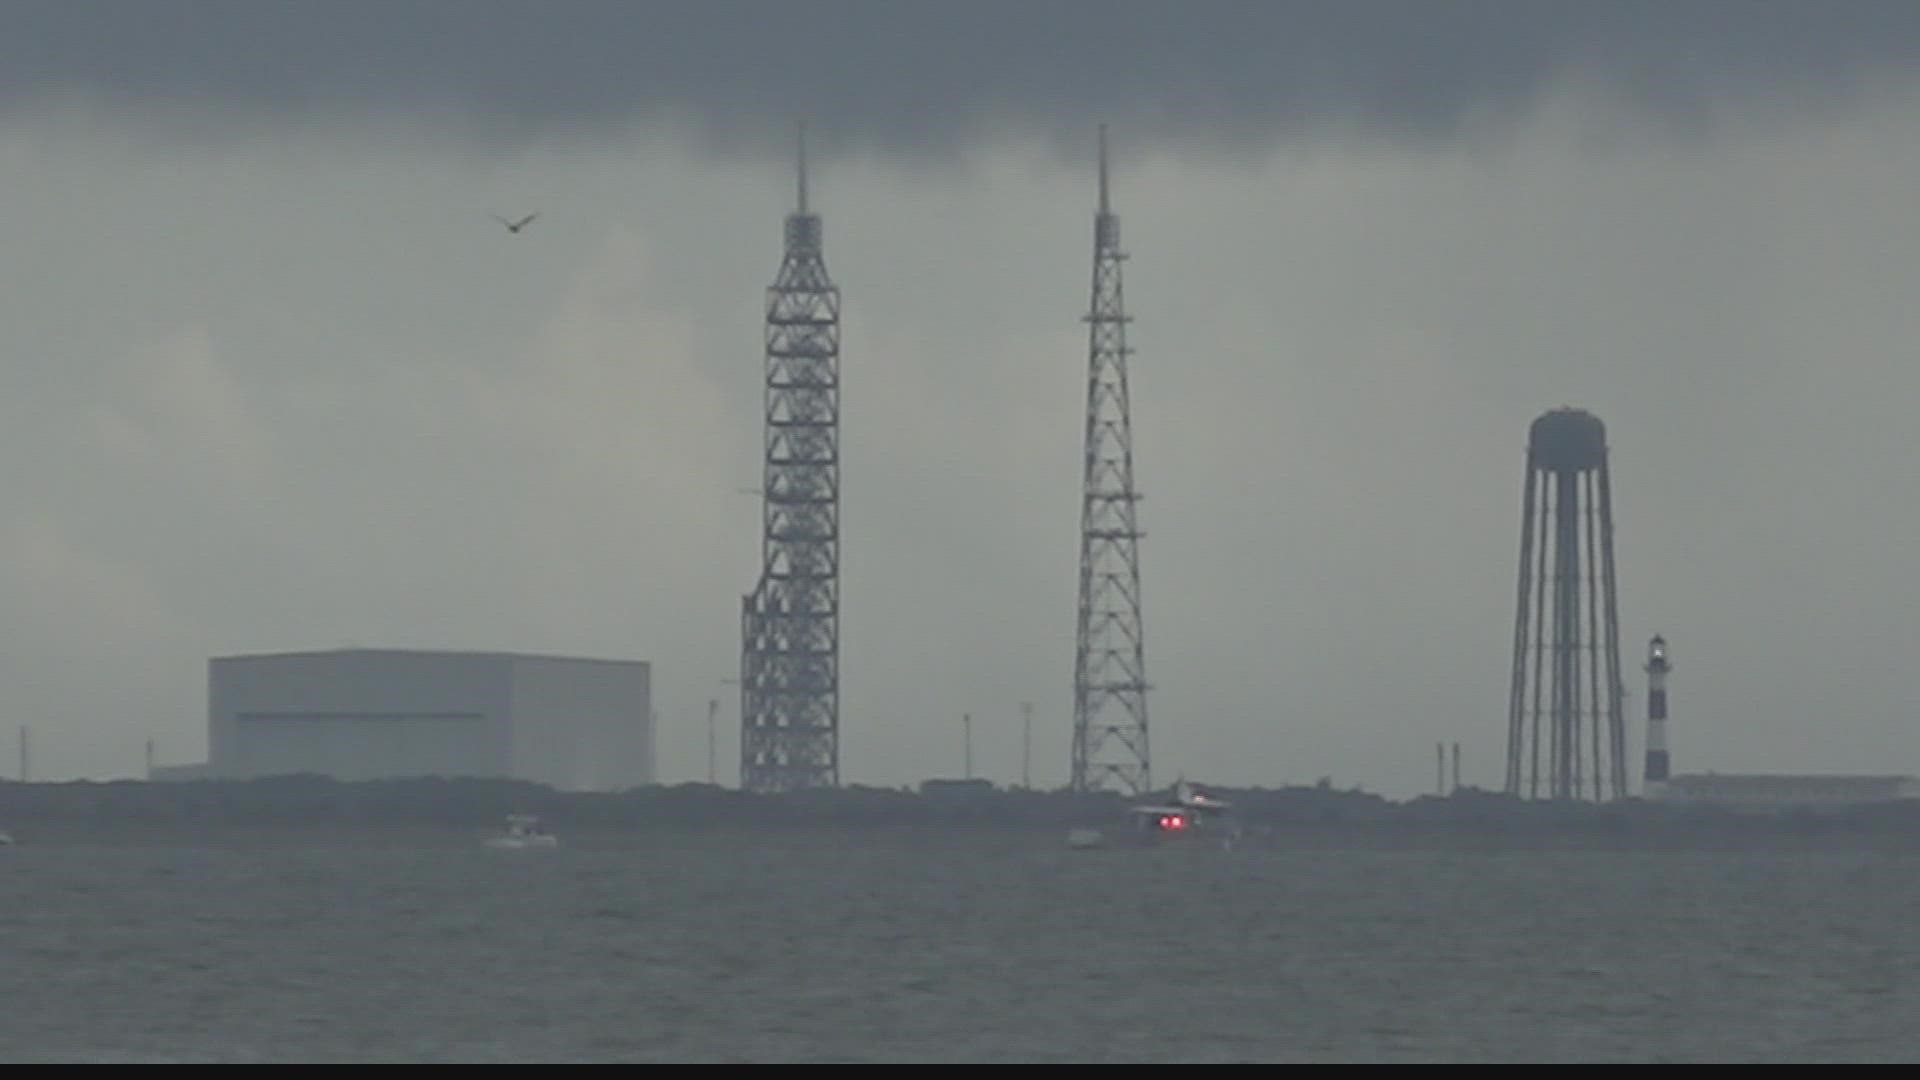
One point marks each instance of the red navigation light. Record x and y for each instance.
(1173, 821)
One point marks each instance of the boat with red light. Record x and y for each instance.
(1188, 817)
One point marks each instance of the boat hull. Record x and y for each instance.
(522, 842)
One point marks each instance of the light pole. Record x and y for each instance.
(1026, 745)
(713, 707)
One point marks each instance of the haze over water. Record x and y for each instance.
(950, 948)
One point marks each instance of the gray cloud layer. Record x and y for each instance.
(917, 77)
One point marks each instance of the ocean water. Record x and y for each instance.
(949, 948)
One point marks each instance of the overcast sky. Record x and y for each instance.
(275, 379)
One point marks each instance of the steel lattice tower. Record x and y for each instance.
(1109, 675)
(790, 623)
(1575, 682)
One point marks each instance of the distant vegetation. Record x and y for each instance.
(1306, 814)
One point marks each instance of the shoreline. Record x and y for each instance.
(312, 809)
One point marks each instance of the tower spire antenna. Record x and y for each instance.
(803, 166)
(1103, 171)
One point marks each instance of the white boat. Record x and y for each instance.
(1085, 838)
(1189, 818)
(524, 831)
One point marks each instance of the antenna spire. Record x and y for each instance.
(1103, 168)
(803, 166)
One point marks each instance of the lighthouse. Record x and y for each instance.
(1657, 668)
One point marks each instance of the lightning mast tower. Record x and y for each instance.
(790, 623)
(1110, 677)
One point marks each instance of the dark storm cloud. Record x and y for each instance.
(921, 76)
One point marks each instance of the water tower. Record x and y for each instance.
(1566, 737)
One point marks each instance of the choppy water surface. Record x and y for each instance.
(950, 949)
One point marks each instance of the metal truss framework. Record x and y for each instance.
(1109, 680)
(790, 623)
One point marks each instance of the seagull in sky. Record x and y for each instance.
(516, 226)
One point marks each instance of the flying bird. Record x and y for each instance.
(516, 226)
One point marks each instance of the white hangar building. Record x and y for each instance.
(371, 714)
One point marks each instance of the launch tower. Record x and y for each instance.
(790, 623)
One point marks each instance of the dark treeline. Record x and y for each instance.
(307, 802)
